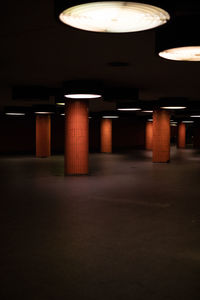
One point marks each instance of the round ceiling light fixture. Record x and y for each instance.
(110, 117)
(195, 116)
(111, 16)
(182, 53)
(173, 107)
(15, 114)
(179, 40)
(188, 122)
(82, 96)
(129, 109)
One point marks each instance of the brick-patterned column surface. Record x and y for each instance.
(43, 135)
(106, 136)
(181, 135)
(161, 136)
(76, 138)
(149, 136)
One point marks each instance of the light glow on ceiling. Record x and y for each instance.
(129, 109)
(147, 111)
(82, 96)
(173, 107)
(114, 16)
(195, 116)
(150, 120)
(110, 117)
(187, 122)
(60, 103)
(43, 112)
(15, 114)
(182, 53)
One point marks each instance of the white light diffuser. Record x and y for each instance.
(114, 16)
(43, 112)
(60, 103)
(15, 114)
(195, 116)
(147, 111)
(129, 109)
(182, 53)
(110, 117)
(82, 96)
(187, 122)
(173, 107)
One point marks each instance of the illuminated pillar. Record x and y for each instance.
(106, 136)
(76, 138)
(43, 135)
(149, 136)
(161, 136)
(181, 135)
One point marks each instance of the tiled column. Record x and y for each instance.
(76, 138)
(149, 136)
(43, 135)
(181, 135)
(161, 136)
(106, 136)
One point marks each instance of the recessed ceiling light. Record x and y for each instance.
(43, 112)
(195, 116)
(62, 114)
(14, 114)
(187, 122)
(60, 103)
(182, 53)
(147, 111)
(150, 120)
(114, 16)
(173, 107)
(82, 96)
(129, 109)
(110, 117)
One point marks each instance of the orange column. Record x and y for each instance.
(106, 136)
(76, 138)
(161, 136)
(149, 136)
(181, 135)
(43, 135)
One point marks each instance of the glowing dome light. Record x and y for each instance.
(129, 109)
(110, 117)
(173, 107)
(15, 114)
(114, 16)
(60, 103)
(182, 53)
(82, 96)
(195, 116)
(187, 122)
(43, 112)
(147, 111)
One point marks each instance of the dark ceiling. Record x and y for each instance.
(38, 50)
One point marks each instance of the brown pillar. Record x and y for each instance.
(181, 135)
(161, 136)
(106, 136)
(149, 136)
(76, 138)
(43, 135)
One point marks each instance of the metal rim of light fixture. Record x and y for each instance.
(111, 16)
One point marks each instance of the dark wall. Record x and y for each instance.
(17, 134)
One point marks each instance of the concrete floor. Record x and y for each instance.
(131, 230)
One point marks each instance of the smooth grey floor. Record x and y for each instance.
(130, 230)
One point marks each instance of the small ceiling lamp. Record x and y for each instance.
(110, 117)
(15, 114)
(172, 103)
(195, 116)
(179, 40)
(188, 122)
(132, 106)
(60, 103)
(82, 89)
(110, 16)
(147, 111)
(43, 109)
